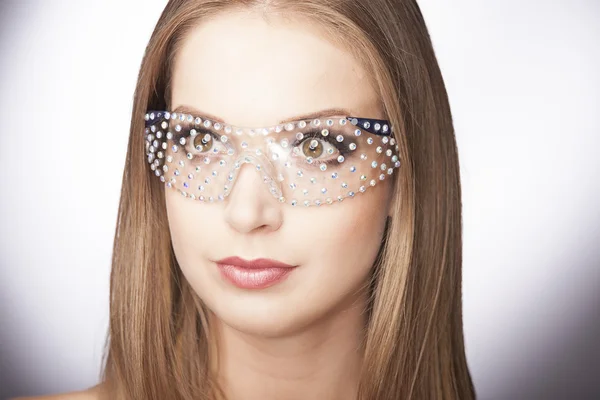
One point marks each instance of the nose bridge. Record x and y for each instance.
(261, 165)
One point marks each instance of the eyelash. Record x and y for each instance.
(331, 138)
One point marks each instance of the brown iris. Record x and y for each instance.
(312, 148)
(201, 144)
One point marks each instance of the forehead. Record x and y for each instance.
(252, 72)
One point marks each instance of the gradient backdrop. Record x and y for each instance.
(524, 87)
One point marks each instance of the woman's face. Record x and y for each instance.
(250, 72)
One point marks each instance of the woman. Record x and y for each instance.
(290, 216)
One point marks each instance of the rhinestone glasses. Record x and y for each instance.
(304, 162)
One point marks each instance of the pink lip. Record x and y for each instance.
(255, 274)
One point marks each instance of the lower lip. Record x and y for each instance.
(253, 278)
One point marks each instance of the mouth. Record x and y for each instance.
(253, 274)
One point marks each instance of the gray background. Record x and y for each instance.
(524, 87)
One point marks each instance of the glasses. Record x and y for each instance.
(306, 162)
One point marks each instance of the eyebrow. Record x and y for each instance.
(317, 114)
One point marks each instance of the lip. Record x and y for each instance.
(258, 263)
(253, 274)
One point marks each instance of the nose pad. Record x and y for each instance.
(262, 165)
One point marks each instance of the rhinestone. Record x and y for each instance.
(147, 117)
(394, 158)
(329, 122)
(198, 168)
(330, 151)
(383, 167)
(363, 156)
(362, 189)
(174, 148)
(206, 123)
(162, 178)
(309, 160)
(275, 156)
(323, 167)
(198, 120)
(392, 141)
(152, 116)
(353, 169)
(224, 139)
(313, 144)
(340, 159)
(366, 124)
(158, 134)
(207, 180)
(190, 156)
(182, 141)
(294, 202)
(244, 145)
(169, 158)
(388, 152)
(385, 139)
(176, 173)
(340, 198)
(164, 145)
(292, 186)
(289, 127)
(185, 184)
(357, 132)
(373, 182)
(164, 124)
(353, 121)
(206, 160)
(343, 121)
(323, 190)
(382, 177)
(167, 115)
(374, 164)
(334, 175)
(313, 180)
(302, 124)
(169, 135)
(377, 126)
(316, 122)
(174, 116)
(351, 194)
(318, 202)
(379, 149)
(390, 170)
(299, 136)
(278, 128)
(305, 191)
(397, 164)
(344, 185)
(284, 143)
(370, 140)
(325, 132)
(306, 203)
(181, 163)
(178, 128)
(227, 129)
(385, 128)
(352, 146)
(339, 138)
(217, 126)
(363, 177)
(329, 201)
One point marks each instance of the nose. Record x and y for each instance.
(250, 204)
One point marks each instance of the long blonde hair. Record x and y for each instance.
(159, 346)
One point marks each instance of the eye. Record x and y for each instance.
(312, 147)
(203, 142)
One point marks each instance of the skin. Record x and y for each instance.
(298, 339)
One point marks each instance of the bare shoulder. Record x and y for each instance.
(92, 393)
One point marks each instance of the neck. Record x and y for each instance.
(321, 361)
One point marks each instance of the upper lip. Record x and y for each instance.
(256, 263)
